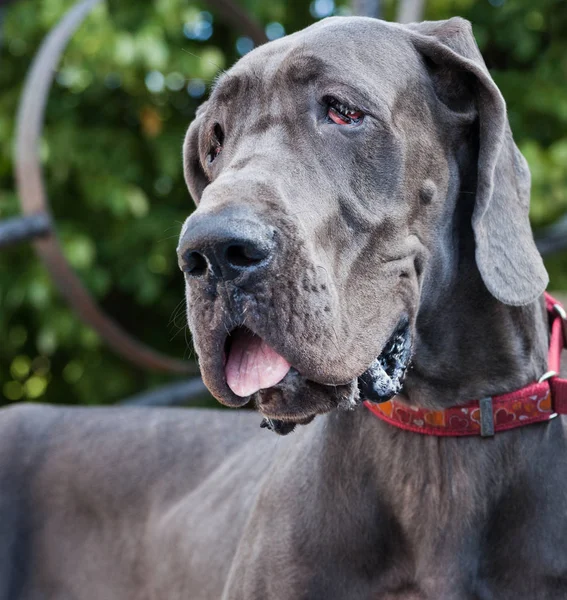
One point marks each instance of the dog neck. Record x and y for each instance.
(468, 344)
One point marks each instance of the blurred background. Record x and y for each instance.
(124, 93)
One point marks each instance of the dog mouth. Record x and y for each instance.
(253, 368)
(251, 364)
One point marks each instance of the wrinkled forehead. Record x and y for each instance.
(370, 56)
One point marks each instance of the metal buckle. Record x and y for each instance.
(486, 417)
(560, 311)
(543, 378)
(546, 376)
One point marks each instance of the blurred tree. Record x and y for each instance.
(125, 92)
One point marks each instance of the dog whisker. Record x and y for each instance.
(209, 61)
(177, 311)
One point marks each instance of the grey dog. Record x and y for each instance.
(354, 181)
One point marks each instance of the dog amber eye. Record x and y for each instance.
(217, 141)
(343, 115)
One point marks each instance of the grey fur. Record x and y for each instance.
(420, 213)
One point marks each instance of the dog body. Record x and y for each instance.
(359, 192)
(347, 508)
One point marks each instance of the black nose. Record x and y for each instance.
(225, 246)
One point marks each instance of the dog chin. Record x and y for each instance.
(296, 401)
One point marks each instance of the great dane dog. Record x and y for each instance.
(361, 231)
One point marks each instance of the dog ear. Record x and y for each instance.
(506, 255)
(195, 177)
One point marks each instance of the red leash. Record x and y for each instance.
(539, 401)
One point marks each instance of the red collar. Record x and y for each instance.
(539, 401)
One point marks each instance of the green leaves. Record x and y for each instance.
(111, 152)
(549, 180)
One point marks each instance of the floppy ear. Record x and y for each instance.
(506, 255)
(195, 177)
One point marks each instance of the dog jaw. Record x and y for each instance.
(283, 405)
(294, 397)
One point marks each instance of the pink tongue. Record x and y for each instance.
(252, 365)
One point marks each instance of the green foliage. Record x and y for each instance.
(111, 152)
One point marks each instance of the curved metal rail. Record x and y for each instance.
(34, 202)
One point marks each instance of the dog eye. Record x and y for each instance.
(216, 142)
(341, 114)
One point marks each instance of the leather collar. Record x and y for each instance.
(539, 401)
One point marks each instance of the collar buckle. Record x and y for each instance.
(486, 417)
(547, 375)
(560, 311)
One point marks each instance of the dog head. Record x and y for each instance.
(328, 168)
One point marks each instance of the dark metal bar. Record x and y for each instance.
(410, 11)
(20, 229)
(174, 394)
(552, 239)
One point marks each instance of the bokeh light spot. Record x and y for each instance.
(274, 31)
(155, 81)
(200, 28)
(47, 341)
(80, 250)
(196, 88)
(322, 8)
(244, 45)
(137, 202)
(35, 386)
(20, 367)
(13, 390)
(157, 263)
(38, 293)
(73, 371)
(163, 185)
(151, 122)
(534, 20)
(175, 81)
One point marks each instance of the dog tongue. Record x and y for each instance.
(252, 365)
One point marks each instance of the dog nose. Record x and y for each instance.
(225, 246)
